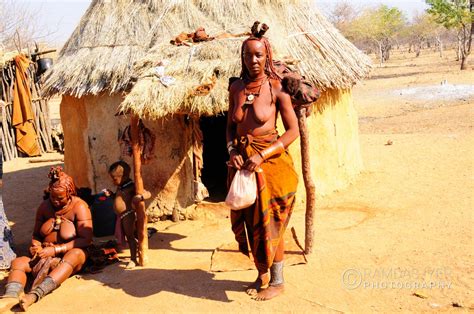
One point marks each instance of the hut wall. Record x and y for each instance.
(334, 144)
(169, 176)
(91, 132)
(76, 157)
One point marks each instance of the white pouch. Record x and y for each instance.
(243, 190)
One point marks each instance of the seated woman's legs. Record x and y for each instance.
(16, 282)
(71, 263)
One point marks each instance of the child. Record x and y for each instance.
(124, 201)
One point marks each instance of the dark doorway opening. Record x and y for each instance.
(215, 156)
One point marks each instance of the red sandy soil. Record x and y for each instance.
(405, 224)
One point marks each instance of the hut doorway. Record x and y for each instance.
(214, 171)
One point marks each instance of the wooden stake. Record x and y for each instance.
(308, 180)
(140, 209)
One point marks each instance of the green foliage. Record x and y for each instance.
(378, 23)
(423, 26)
(450, 13)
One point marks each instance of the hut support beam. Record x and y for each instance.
(308, 180)
(139, 189)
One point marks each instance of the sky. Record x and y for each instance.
(59, 17)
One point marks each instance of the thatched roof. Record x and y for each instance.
(100, 53)
(297, 30)
(118, 43)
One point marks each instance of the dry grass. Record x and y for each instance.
(119, 42)
(100, 53)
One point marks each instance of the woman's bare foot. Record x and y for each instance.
(7, 303)
(270, 293)
(131, 265)
(27, 300)
(261, 283)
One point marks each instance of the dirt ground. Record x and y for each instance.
(400, 238)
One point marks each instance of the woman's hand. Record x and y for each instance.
(34, 249)
(236, 160)
(253, 163)
(47, 252)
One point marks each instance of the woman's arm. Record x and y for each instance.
(39, 220)
(288, 117)
(236, 159)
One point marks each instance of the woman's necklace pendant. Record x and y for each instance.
(57, 222)
(249, 100)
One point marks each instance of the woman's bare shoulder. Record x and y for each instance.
(236, 85)
(79, 204)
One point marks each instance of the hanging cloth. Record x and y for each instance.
(23, 117)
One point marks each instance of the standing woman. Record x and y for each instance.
(253, 143)
(6, 238)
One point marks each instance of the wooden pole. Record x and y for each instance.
(139, 189)
(308, 180)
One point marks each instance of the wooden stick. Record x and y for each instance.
(45, 160)
(308, 181)
(139, 189)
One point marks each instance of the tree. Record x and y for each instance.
(423, 29)
(380, 26)
(458, 15)
(342, 15)
(19, 25)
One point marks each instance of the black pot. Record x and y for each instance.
(43, 65)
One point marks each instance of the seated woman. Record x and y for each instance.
(62, 233)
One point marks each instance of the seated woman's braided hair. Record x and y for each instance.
(59, 180)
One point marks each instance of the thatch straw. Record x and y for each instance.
(101, 51)
(297, 30)
(110, 50)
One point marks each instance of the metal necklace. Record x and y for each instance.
(249, 95)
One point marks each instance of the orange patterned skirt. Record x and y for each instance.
(262, 225)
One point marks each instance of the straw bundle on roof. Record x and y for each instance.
(101, 51)
(297, 30)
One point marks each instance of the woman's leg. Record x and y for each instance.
(16, 283)
(277, 284)
(71, 263)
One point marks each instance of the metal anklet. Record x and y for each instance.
(13, 289)
(276, 273)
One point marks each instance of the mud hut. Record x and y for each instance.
(98, 73)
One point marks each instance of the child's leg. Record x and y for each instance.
(128, 224)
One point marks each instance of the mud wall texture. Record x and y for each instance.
(334, 144)
(91, 133)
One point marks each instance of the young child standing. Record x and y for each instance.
(124, 205)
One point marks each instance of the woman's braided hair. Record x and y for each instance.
(59, 180)
(257, 34)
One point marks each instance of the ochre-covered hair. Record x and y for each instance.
(59, 180)
(257, 34)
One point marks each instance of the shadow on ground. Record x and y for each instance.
(195, 283)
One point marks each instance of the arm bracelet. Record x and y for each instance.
(58, 249)
(230, 149)
(275, 149)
